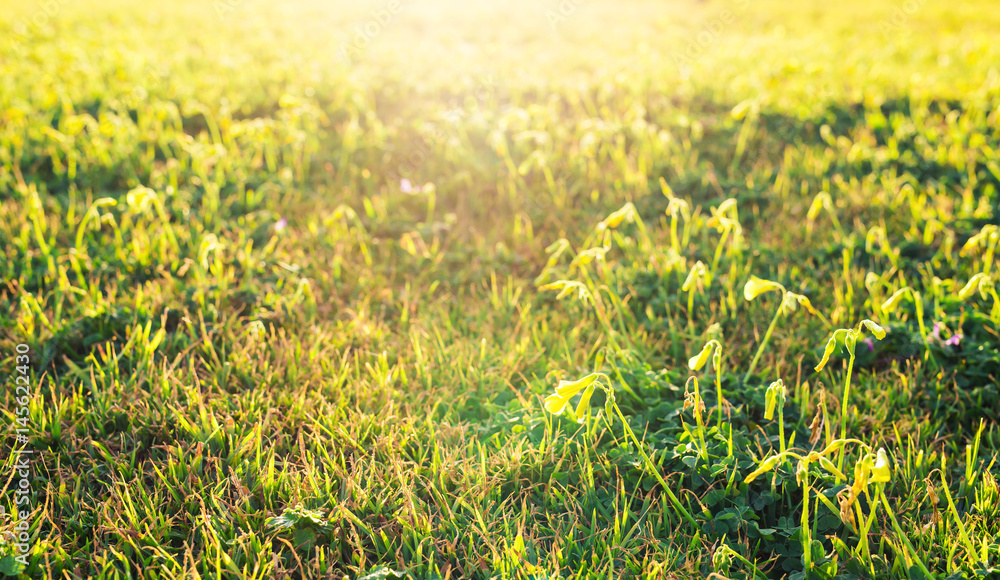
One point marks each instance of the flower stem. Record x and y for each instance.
(781, 425)
(843, 415)
(718, 389)
(701, 429)
(763, 343)
(806, 536)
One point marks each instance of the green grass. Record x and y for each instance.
(254, 354)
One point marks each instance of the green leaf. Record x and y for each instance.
(714, 497)
(304, 538)
(9, 566)
(757, 286)
(519, 544)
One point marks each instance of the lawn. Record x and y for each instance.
(439, 289)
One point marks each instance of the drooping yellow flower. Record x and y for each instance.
(566, 390)
(881, 473)
(757, 286)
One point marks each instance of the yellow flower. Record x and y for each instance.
(881, 471)
(757, 286)
(764, 467)
(566, 390)
(696, 362)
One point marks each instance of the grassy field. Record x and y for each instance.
(427, 289)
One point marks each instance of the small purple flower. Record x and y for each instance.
(954, 340)
(280, 224)
(936, 333)
(405, 186)
(871, 344)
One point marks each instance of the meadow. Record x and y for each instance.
(428, 289)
